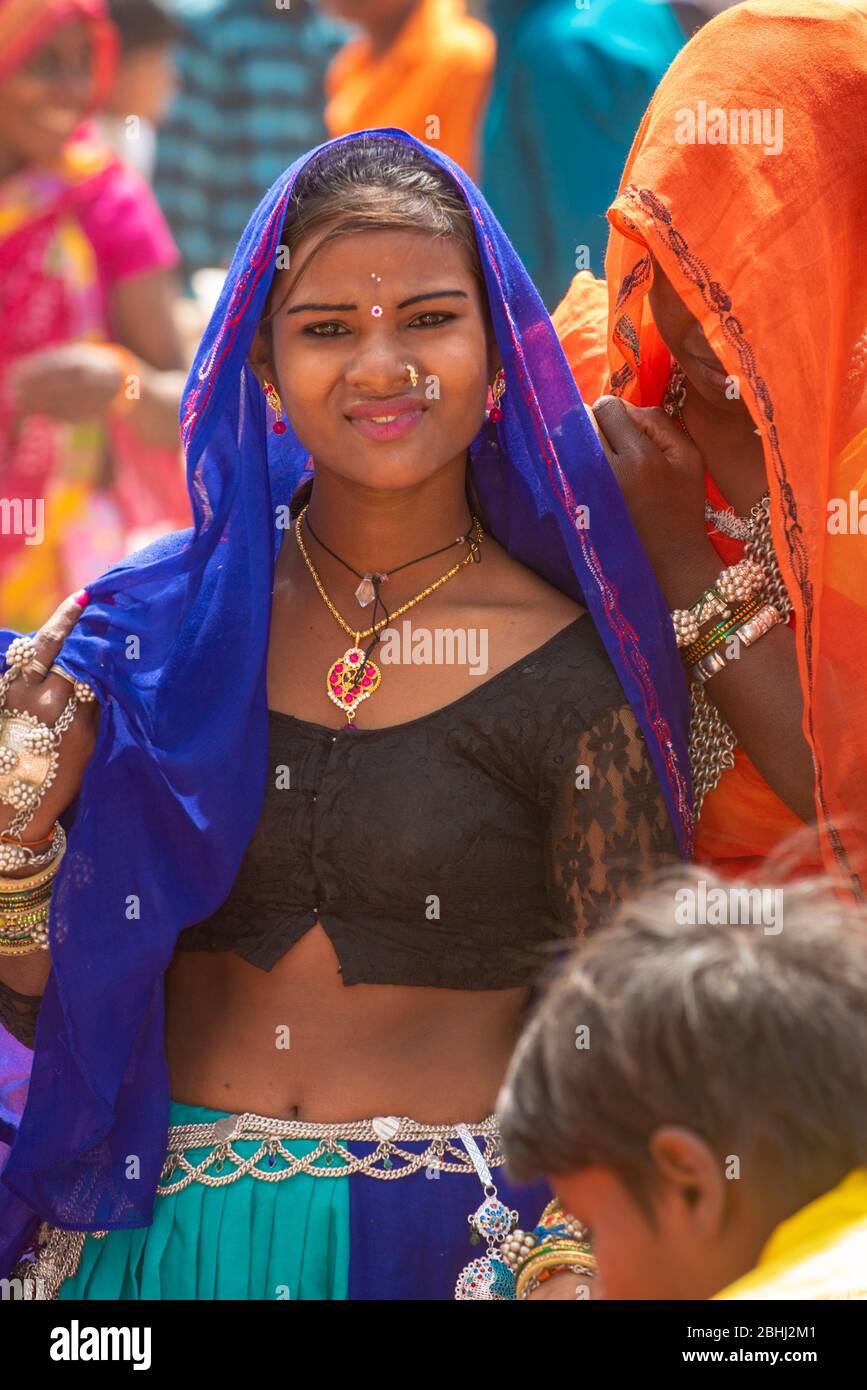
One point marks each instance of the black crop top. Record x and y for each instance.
(457, 850)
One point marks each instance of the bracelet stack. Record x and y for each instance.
(30, 757)
(25, 904)
(556, 1245)
(736, 602)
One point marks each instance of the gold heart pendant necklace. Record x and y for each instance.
(352, 678)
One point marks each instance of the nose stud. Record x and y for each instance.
(413, 374)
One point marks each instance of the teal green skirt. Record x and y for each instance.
(247, 1240)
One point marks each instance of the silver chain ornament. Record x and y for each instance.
(711, 742)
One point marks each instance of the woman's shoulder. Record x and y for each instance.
(564, 676)
(580, 678)
(563, 681)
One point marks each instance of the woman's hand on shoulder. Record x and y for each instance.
(46, 697)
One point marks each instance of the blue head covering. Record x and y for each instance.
(174, 641)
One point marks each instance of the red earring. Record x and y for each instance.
(273, 399)
(498, 386)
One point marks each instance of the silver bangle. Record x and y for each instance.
(708, 666)
(757, 626)
(15, 856)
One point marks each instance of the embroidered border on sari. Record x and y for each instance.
(719, 301)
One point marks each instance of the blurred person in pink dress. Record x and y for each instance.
(91, 366)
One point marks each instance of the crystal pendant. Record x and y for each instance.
(365, 593)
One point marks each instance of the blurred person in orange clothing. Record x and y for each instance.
(422, 65)
(90, 361)
(736, 299)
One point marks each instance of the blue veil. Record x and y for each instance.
(174, 641)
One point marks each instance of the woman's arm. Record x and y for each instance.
(661, 474)
(142, 316)
(82, 381)
(46, 697)
(609, 827)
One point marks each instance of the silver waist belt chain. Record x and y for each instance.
(447, 1149)
(329, 1159)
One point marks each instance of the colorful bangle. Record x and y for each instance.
(756, 627)
(25, 907)
(25, 947)
(718, 634)
(748, 632)
(737, 582)
(551, 1260)
(557, 1243)
(13, 887)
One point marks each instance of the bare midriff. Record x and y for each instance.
(296, 1043)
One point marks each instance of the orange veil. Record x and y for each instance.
(767, 250)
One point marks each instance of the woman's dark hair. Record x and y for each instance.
(374, 183)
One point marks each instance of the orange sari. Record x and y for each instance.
(767, 252)
(437, 70)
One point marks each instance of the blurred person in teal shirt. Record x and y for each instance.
(571, 85)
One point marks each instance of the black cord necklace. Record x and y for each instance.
(368, 589)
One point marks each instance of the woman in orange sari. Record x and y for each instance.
(730, 343)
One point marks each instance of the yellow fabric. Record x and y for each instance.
(433, 81)
(820, 1253)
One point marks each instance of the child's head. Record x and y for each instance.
(146, 79)
(687, 1087)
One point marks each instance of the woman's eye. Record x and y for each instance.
(431, 319)
(325, 330)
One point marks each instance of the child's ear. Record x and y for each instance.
(690, 1168)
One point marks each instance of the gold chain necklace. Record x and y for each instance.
(353, 677)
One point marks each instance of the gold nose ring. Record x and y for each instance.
(413, 374)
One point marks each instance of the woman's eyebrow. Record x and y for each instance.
(347, 308)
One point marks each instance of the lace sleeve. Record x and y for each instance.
(609, 825)
(18, 1014)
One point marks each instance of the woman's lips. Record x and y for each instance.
(390, 427)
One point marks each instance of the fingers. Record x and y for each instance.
(606, 448)
(660, 429)
(616, 426)
(50, 638)
(635, 432)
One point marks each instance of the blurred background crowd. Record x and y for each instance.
(136, 140)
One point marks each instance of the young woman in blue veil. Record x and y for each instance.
(399, 717)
